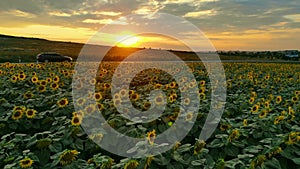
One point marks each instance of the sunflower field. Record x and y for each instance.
(40, 128)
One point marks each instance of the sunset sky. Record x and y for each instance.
(229, 24)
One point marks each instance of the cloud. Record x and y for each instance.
(200, 13)
(214, 17)
(294, 18)
(18, 13)
(105, 21)
(108, 13)
(55, 13)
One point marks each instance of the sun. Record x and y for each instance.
(129, 42)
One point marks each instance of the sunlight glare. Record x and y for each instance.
(129, 42)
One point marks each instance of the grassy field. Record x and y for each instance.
(39, 127)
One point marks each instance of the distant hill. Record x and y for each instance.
(11, 48)
(25, 48)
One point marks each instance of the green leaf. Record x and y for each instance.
(56, 147)
(44, 156)
(296, 161)
(216, 144)
(273, 163)
(184, 148)
(267, 140)
(198, 162)
(231, 150)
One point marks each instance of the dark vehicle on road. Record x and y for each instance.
(52, 57)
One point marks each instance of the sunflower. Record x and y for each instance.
(100, 106)
(291, 111)
(199, 145)
(267, 104)
(117, 102)
(278, 119)
(173, 85)
(134, 96)
(260, 160)
(22, 76)
(151, 135)
(76, 120)
(233, 135)
(80, 101)
(96, 137)
(26, 162)
(283, 113)
(176, 145)
(186, 101)
(34, 79)
(146, 105)
(275, 151)
(62, 102)
(55, 79)
(166, 87)
(255, 108)
(251, 100)
(295, 99)
(54, 86)
(224, 127)
(42, 82)
(98, 96)
(43, 143)
(202, 83)
(297, 93)
(17, 115)
(92, 81)
(14, 79)
(51, 74)
(189, 116)
(41, 88)
(201, 90)
(159, 100)
(68, 156)
(66, 74)
(148, 162)
(48, 79)
(132, 164)
(90, 109)
(21, 108)
(245, 122)
(158, 86)
(30, 113)
(38, 66)
(192, 84)
(253, 94)
(202, 96)
(171, 98)
(78, 113)
(267, 77)
(106, 86)
(78, 85)
(28, 95)
(293, 138)
(123, 93)
(278, 99)
(270, 97)
(263, 114)
(116, 96)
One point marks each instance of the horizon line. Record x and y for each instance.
(154, 48)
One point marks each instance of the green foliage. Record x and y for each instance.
(266, 138)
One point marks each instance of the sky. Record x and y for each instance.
(227, 24)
